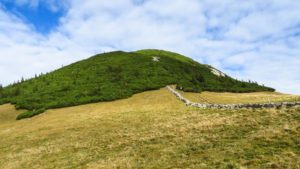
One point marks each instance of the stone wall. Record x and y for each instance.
(232, 106)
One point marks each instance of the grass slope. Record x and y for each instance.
(116, 75)
(239, 98)
(150, 130)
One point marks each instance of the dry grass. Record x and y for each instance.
(150, 130)
(8, 114)
(234, 98)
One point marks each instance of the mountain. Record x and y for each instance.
(117, 75)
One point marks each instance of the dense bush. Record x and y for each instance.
(117, 75)
(30, 113)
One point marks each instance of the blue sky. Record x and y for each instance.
(257, 40)
(42, 18)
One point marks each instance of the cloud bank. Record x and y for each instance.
(257, 40)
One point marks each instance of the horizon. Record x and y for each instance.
(254, 40)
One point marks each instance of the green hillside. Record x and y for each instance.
(116, 75)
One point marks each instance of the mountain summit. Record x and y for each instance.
(117, 75)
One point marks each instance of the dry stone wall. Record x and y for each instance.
(231, 106)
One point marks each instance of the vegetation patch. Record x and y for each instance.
(30, 113)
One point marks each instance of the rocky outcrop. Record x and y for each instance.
(231, 106)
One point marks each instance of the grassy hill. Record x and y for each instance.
(117, 75)
(150, 130)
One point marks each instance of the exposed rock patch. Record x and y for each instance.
(155, 59)
(217, 72)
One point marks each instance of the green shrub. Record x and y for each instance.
(30, 113)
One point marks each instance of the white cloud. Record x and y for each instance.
(53, 5)
(250, 40)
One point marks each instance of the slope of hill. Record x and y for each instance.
(150, 130)
(240, 98)
(116, 75)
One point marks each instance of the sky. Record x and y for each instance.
(257, 40)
